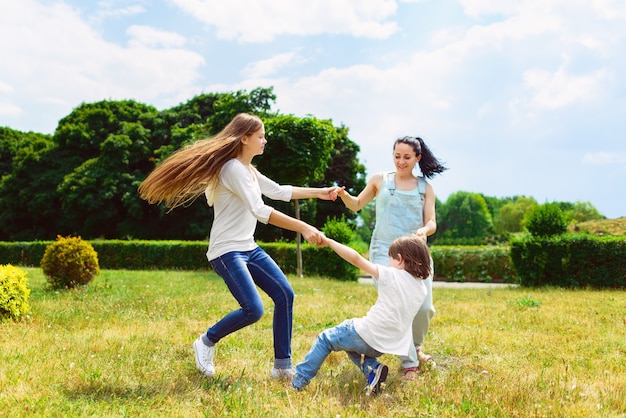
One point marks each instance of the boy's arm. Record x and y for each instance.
(351, 256)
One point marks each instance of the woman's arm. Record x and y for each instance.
(368, 194)
(310, 233)
(430, 221)
(324, 193)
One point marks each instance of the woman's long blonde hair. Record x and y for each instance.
(186, 174)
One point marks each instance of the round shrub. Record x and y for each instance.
(69, 262)
(339, 230)
(14, 293)
(546, 220)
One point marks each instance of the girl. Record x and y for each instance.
(221, 168)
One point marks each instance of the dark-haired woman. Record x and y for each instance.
(405, 205)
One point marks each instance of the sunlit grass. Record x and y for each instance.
(122, 347)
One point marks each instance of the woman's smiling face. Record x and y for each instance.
(404, 157)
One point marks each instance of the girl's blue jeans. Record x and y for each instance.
(242, 271)
(342, 337)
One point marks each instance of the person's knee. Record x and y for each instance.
(285, 298)
(324, 338)
(254, 312)
(289, 296)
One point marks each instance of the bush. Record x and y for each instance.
(69, 262)
(545, 220)
(570, 260)
(14, 292)
(339, 230)
(473, 263)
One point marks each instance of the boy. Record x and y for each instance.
(386, 328)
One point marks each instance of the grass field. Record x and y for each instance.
(122, 347)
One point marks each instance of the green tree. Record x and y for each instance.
(344, 169)
(13, 142)
(495, 203)
(83, 180)
(298, 151)
(24, 186)
(227, 105)
(581, 212)
(464, 215)
(545, 220)
(510, 216)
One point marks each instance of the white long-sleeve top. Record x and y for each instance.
(238, 205)
(387, 325)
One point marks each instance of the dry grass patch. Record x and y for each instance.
(616, 227)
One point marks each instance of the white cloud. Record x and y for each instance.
(559, 89)
(255, 21)
(268, 67)
(476, 8)
(603, 158)
(145, 36)
(5, 88)
(10, 110)
(108, 9)
(56, 55)
(610, 9)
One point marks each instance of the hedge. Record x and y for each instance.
(183, 255)
(571, 260)
(473, 263)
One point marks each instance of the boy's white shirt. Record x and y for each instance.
(238, 206)
(387, 325)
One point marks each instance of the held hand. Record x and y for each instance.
(341, 191)
(421, 234)
(330, 193)
(312, 235)
(323, 242)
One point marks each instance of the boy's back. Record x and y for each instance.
(387, 325)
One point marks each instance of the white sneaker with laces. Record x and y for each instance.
(204, 357)
(281, 373)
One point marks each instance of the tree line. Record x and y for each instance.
(83, 179)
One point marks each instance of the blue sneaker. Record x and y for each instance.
(375, 378)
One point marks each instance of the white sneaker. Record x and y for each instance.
(204, 357)
(282, 373)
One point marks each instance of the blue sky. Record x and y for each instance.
(518, 97)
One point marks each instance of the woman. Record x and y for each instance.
(405, 205)
(221, 168)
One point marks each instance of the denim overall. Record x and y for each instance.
(399, 213)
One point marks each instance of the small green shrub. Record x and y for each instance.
(69, 262)
(339, 230)
(545, 220)
(14, 293)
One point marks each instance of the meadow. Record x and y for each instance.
(121, 346)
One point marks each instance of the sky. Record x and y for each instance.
(516, 97)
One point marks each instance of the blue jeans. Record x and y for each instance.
(242, 271)
(342, 337)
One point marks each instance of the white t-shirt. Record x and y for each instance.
(387, 325)
(238, 206)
